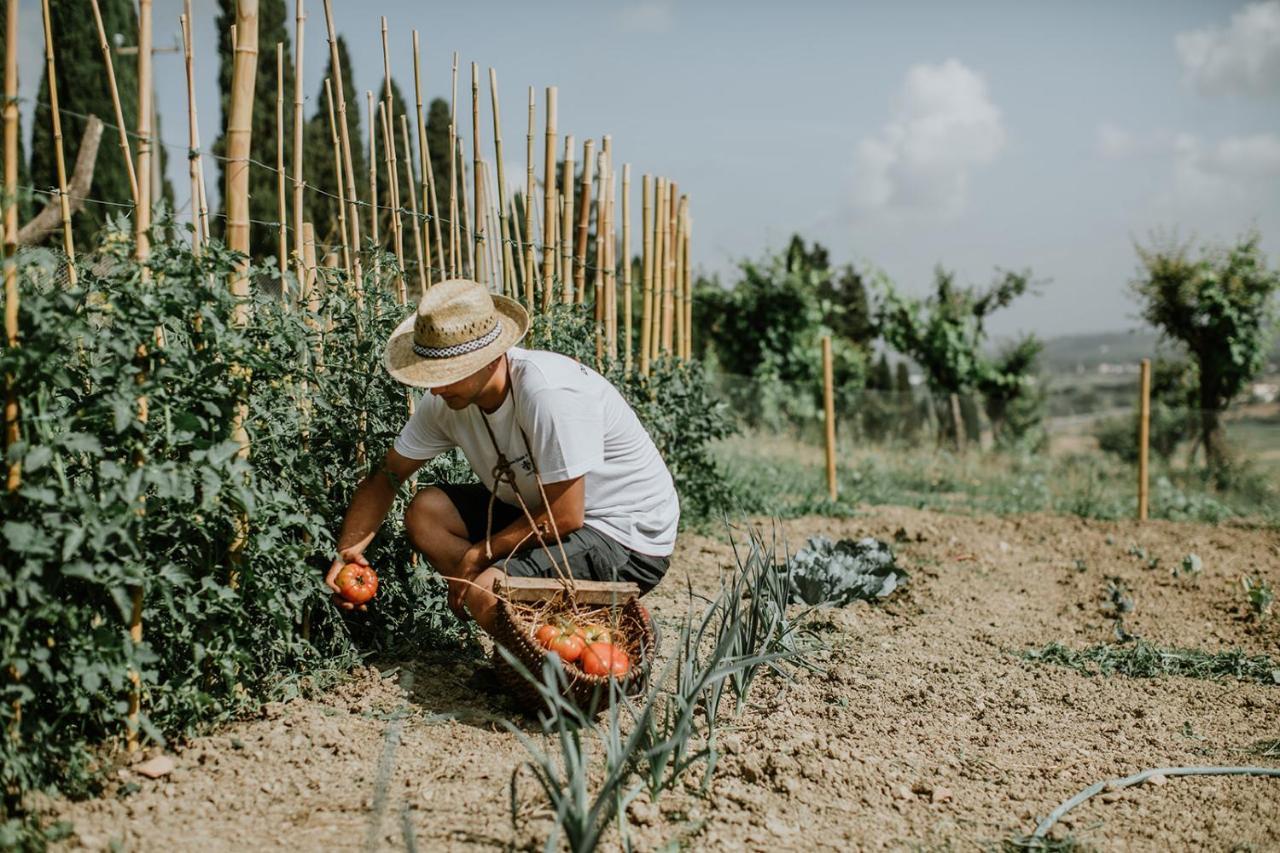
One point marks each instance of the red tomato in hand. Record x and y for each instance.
(357, 583)
(561, 641)
(605, 659)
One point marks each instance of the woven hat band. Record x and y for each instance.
(454, 350)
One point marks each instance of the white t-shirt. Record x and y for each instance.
(578, 425)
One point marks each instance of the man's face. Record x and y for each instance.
(460, 394)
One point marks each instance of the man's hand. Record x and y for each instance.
(331, 579)
(472, 564)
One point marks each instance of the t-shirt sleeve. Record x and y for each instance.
(565, 427)
(422, 437)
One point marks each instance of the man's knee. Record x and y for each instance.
(432, 510)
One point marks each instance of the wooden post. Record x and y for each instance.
(549, 212)
(670, 213)
(60, 163)
(610, 256)
(299, 238)
(142, 217)
(597, 278)
(337, 171)
(353, 217)
(239, 131)
(508, 261)
(479, 249)
(413, 206)
(373, 178)
(1144, 436)
(528, 205)
(646, 273)
(584, 222)
(428, 173)
(829, 407)
(280, 175)
(957, 422)
(626, 267)
(397, 233)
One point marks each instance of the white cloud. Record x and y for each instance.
(1243, 58)
(1237, 169)
(1233, 170)
(944, 126)
(648, 17)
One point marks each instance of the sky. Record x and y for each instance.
(980, 136)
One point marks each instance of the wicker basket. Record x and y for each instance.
(514, 631)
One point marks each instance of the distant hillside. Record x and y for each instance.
(1085, 353)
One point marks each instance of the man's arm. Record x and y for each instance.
(369, 506)
(566, 503)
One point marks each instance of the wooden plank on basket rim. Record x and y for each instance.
(521, 589)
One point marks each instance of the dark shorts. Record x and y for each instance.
(591, 554)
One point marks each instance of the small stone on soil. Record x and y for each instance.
(161, 765)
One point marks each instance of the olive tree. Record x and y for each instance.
(1218, 306)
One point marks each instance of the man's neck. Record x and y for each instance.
(495, 391)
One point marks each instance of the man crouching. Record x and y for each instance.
(568, 475)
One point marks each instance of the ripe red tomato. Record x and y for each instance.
(357, 583)
(605, 659)
(560, 640)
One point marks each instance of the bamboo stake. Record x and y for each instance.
(584, 222)
(610, 252)
(397, 241)
(1144, 436)
(688, 283)
(660, 266)
(551, 242)
(12, 433)
(567, 222)
(549, 211)
(373, 178)
(514, 227)
(310, 295)
(121, 127)
(393, 181)
(193, 162)
(239, 140)
(142, 219)
(493, 254)
(239, 135)
(353, 219)
(829, 408)
(508, 262)
(597, 278)
(669, 267)
(479, 249)
(68, 242)
(299, 238)
(454, 230)
(626, 267)
(10, 201)
(280, 175)
(678, 278)
(413, 206)
(337, 171)
(428, 172)
(528, 208)
(646, 273)
(466, 254)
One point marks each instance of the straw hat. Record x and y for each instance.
(459, 327)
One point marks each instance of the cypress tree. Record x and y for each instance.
(82, 90)
(263, 201)
(882, 376)
(438, 145)
(903, 379)
(321, 174)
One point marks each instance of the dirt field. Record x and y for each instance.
(925, 730)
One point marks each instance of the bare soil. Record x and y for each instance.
(924, 729)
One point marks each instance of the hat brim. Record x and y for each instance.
(408, 367)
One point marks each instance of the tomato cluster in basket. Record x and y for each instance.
(589, 647)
